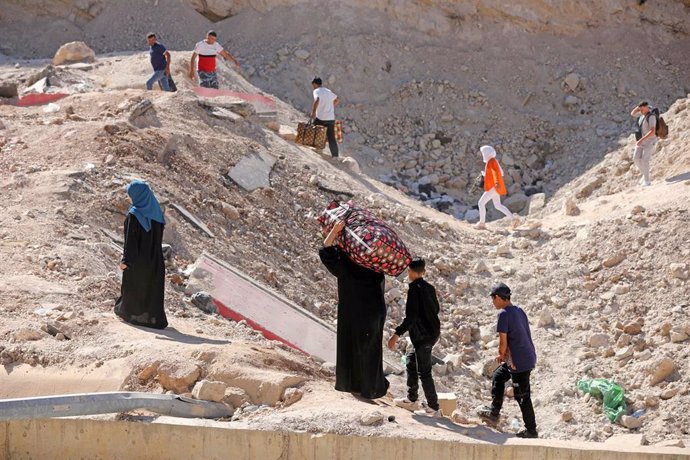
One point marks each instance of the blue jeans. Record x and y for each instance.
(160, 77)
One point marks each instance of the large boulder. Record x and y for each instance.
(72, 52)
(516, 202)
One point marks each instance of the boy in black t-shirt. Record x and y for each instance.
(421, 320)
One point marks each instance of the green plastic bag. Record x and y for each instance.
(612, 393)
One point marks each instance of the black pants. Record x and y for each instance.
(419, 368)
(521, 391)
(330, 133)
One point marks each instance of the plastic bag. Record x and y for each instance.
(612, 394)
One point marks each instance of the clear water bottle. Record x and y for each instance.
(639, 413)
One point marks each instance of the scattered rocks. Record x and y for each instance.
(633, 328)
(209, 390)
(458, 417)
(204, 302)
(27, 334)
(567, 416)
(230, 211)
(572, 81)
(72, 52)
(545, 318)
(374, 418)
(630, 422)
(302, 54)
(570, 208)
(291, 396)
(236, 397)
(661, 370)
(679, 271)
(613, 260)
(598, 340)
(178, 376)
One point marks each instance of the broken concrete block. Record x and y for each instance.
(253, 171)
(236, 397)
(178, 376)
(209, 390)
(448, 402)
(204, 302)
(291, 396)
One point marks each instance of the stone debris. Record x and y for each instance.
(291, 396)
(661, 370)
(209, 390)
(374, 418)
(204, 302)
(72, 52)
(253, 171)
(570, 208)
(630, 422)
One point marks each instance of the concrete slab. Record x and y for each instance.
(192, 219)
(239, 297)
(253, 171)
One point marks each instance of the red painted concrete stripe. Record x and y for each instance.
(39, 99)
(256, 99)
(226, 312)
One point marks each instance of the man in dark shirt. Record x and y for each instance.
(160, 61)
(421, 320)
(517, 358)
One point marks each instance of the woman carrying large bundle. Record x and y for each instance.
(143, 267)
(361, 317)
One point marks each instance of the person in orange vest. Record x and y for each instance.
(494, 186)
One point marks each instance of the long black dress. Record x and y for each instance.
(143, 282)
(361, 317)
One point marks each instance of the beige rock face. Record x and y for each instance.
(209, 390)
(74, 52)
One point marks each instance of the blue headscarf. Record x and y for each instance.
(145, 206)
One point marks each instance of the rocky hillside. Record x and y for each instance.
(599, 264)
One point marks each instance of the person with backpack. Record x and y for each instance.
(646, 135)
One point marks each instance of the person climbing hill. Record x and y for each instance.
(206, 52)
(494, 186)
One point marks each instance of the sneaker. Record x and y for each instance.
(428, 411)
(405, 403)
(527, 434)
(515, 221)
(487, 414)
(480, 226)
(646, 183)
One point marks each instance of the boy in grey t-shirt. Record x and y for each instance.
(646, 141)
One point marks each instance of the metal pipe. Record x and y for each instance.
(110, 402)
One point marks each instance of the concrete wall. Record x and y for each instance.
(97, 439)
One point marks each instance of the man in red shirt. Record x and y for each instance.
(206, 51)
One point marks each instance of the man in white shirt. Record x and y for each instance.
(323, 112)
(646, 140)
(206, 51)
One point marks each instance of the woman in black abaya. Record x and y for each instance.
(361, 317)
(143, 268)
